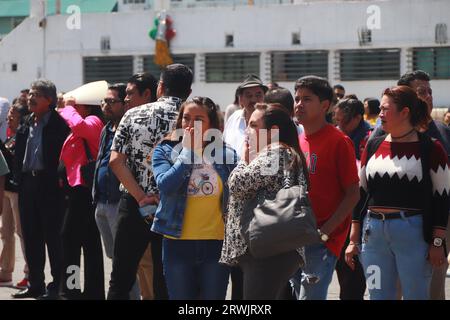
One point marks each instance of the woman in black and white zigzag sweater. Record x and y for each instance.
(405, 185)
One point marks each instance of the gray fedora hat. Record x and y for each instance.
(250, 81)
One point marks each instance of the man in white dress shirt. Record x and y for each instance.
(251, 91)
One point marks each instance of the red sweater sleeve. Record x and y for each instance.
(440, 180)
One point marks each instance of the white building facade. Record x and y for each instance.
(363, 45)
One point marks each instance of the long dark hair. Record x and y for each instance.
(276, 115)
(374, 106)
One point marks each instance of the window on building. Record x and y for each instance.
(229, 40)
(364, 36)
(105, 44)
(112, 69)
(291, 65)
(155, 70)
(296, 38)
(440, 35)
(230, 67)
(371, 64)
(435, 61)
(7, 24)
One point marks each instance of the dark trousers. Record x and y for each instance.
(132, 238)
(237, 283)
(265, 279)
(80, 231)
(41, 217)
(351, 282)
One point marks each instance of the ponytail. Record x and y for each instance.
(406, 97)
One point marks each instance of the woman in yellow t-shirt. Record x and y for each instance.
(371, 110)
(191, 174)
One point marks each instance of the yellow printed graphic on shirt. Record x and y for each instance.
(203, 182)
(203, 213)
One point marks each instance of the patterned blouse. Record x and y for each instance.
(138, 133)
(244, 183)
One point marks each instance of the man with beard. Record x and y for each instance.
(105, 190)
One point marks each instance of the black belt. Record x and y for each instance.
(35, 173)
(393, 215)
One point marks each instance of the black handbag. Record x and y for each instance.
(87, 170)
(282, 224)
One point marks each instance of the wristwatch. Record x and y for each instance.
(323, 236)
(438, 242)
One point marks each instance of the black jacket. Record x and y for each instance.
(53, 136)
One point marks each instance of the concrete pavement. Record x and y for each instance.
(5, 292)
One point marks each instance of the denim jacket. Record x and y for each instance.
(113, 192)
(172, 171)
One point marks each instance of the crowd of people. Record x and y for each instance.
(163, 179)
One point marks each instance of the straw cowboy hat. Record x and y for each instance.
(91, 93)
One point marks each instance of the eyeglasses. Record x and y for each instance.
(110, 101)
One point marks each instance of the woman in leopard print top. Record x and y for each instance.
(263, 278)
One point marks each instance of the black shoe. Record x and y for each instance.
(71, 295)
(49, 296)
(26, 293)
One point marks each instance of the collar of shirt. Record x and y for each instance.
(171, 100)
(240, 120)
(109, 126)
(44, 120)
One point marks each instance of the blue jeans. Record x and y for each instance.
(312, 282)
(192, 269)
(395, 249)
